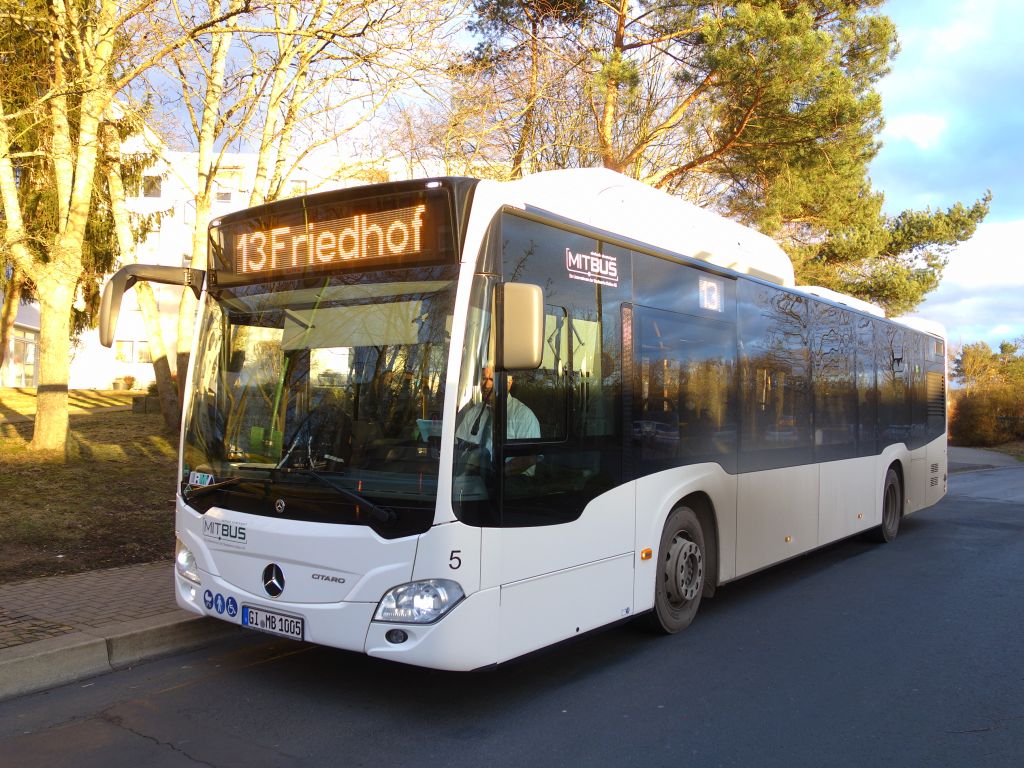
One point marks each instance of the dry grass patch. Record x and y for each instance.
(1015, 448)
(110, 503)
(21, 401)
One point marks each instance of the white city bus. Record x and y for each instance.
(669, 414)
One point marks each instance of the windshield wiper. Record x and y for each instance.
(201, 490)
(382, 514)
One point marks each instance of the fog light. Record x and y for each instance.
(396, 636)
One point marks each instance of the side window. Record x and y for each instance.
(542, 391)
(867, 389)
(681, 288)
(684, 403)
(576, 393)
(835, 391)
(774, 378)
(894, 418)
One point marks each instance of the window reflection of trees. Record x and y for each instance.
(774, 334)
(686, 409)
(833, 377)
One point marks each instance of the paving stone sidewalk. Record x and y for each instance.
(58, 605)
(62, 628)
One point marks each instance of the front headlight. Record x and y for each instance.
(421, 602)
(185, 563)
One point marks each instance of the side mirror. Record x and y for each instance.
(126, 277)
(522, 326)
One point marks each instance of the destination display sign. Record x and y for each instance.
(302, 236)
(385, 235)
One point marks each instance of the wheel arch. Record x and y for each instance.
(897, 466)
(700, 502)
(711, 493)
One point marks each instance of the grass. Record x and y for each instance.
(1015, 449)
(111, 502)
(15, 401)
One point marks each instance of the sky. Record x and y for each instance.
(954, 112)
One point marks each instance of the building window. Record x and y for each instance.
(151, 186)
(223, 196)
(132, 352)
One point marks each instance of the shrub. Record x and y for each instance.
(989, 416)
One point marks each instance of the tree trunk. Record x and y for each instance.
(56, 296)
(11, 302)
(169, 407)
(186, 325)
(526, 136)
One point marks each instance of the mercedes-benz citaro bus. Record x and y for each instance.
(448, 422)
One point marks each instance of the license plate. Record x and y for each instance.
(273, 622)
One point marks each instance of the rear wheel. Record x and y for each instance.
(892, 508)
(681, 572)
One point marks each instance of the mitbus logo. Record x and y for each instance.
(224, 531)
(592, 267)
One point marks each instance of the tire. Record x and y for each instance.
(681, 573)
(892, 508)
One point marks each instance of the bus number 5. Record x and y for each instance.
(455, 562)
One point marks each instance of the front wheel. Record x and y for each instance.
(892, 508)
(681, 572)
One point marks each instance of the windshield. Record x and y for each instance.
(321, 399)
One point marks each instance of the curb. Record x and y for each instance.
(75, 656)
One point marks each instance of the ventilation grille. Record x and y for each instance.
(933, 482)
(936, 397)
(935, 469)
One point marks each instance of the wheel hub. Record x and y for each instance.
(684, 570)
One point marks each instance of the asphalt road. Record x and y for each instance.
(908, 654)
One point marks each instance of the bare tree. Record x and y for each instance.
(288, 80)
(94, 51)
(127, 239)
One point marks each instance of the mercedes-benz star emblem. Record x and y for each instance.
(279, 506)
(273, 580)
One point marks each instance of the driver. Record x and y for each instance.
(520, 424)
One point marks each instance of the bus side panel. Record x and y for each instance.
(917, 481)
(846, 499)
(657, 495)
(605, 529)
(777, 516)
(450, 551)
(937, 470)
(554, 607)
(558, 580)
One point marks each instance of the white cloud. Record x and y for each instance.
(981, 297)
(974, 22)
(923, 131)
(993, 257)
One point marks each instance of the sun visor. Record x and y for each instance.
(359, 326)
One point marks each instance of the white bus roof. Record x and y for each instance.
(924, 325)
(842, 298)
(616, 203)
